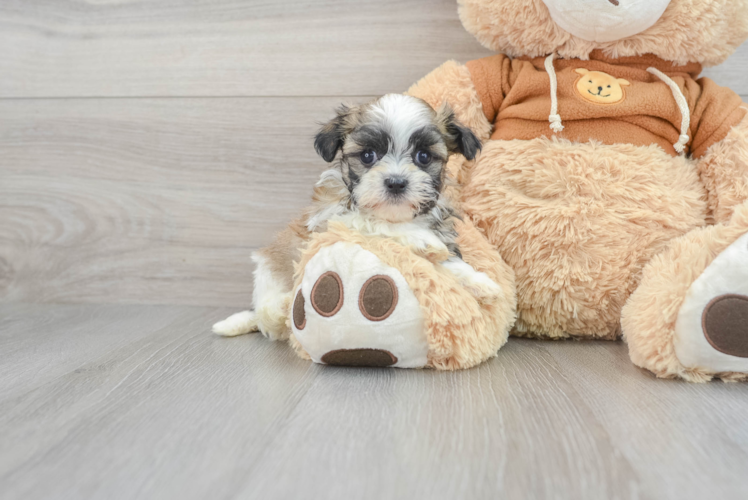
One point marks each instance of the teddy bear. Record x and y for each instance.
(613, 179)
(608, 201)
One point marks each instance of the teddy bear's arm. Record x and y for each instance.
(724, 172)
(452, 83)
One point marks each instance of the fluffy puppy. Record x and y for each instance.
(388, 171)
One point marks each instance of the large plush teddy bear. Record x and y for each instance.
(611, 192)
(613, 180)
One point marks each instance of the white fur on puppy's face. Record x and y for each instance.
(395, 128)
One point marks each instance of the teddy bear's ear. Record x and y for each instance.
(582, 71)
(331, 136)
(622, 82)
(459, 138)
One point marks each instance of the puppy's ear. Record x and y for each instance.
(458, 137)
(331, 136)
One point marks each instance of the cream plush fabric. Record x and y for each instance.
(605, 21)
(401, 333)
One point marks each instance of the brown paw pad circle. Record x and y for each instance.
(327, 294)
(378, 298)
(359, 357)
(299, 316)
(725, 324)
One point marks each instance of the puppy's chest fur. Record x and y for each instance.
(416, 234)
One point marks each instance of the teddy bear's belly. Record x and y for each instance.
(577, 222)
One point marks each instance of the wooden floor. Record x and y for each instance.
(145, 149)
(126, 401)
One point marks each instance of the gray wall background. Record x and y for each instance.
(147, 147)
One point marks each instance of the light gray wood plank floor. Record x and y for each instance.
(126, 401)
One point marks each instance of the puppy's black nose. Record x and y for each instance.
(396, 185)
(599, 89)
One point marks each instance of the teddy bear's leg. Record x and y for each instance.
(351, 309)
(689, 316)
(724, 172)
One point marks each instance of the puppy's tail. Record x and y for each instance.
(237, 324)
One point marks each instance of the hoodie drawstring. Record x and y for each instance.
(685, 113)
(554, 118)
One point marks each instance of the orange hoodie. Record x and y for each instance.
(611, 100)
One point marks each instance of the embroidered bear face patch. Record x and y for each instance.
(600, 88)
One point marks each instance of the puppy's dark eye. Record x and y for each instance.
(423, 158)
(368, 157)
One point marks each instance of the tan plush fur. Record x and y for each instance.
(701, 31)
(723, 172)
(451, 83)
(650, 314)
(461, 332)
(577, 222)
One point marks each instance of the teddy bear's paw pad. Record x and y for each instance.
(359, 357)
(378, 298)
(725, 324)
(327, 294)
(351, 309)
(711, 332)
(297, 312)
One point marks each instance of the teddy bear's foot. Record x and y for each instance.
(353, 310)
(689, 316)
(711, 331)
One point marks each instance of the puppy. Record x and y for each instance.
(387, 181)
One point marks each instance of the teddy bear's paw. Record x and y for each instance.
(353, 310)
(711, 331)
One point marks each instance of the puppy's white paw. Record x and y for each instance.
(481, 286)
(237, 324)
(475, 282)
